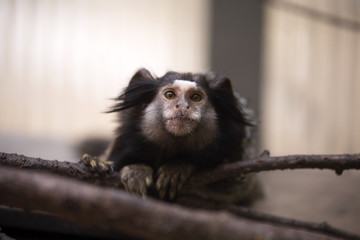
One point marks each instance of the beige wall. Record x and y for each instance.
(311, 91)
(61, 61)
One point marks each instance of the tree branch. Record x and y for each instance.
(111, 209)
(241, 211)
(261, 163)
(69, 169)
(339, 163)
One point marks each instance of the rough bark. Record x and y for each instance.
(69, 169)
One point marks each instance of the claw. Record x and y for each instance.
(173, 185)
(171, 178)
(182, 181)
(96, 164)
(93, 163)
(137, 178)
(104, 166)
(162, 183)
(84, 158)
(148, 181)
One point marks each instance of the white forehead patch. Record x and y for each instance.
(184, 85)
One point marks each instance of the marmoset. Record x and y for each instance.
(171, 126)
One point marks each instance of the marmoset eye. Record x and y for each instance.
(170, 95)
(196, 97)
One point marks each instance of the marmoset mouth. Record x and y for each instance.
(180, 118)
(180, 125)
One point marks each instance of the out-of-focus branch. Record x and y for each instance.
(242, 211)
(111, 209)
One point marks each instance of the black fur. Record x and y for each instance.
(142, 89)
(131, 146)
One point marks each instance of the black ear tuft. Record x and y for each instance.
(221, 83)
(224, 101)
(140, 91)
(141, 75)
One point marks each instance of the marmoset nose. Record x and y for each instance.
(182, 106)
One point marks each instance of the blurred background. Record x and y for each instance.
(297, 61)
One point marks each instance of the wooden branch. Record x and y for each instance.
(323, 228)
(339, 163)
(112, 209)
(264, 162)
(69, 169)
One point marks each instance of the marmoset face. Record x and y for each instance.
(180, 109)
(183, 105)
